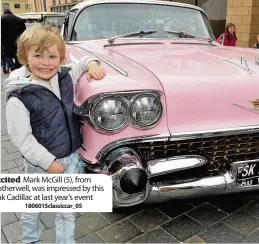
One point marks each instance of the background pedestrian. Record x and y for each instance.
(228, 38)
(256, 45)
(11, 28)
(4, 63)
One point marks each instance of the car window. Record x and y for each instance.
(54, 20)
(107, 20)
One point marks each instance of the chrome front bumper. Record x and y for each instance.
(160, 191)
(227, 148)
(139, 177)
(222, 184)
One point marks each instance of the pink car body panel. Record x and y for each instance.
(198, 87)
(206, 140)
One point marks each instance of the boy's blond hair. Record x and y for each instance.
(42, 37)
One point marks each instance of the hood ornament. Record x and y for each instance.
(240, 62)
(255, 103)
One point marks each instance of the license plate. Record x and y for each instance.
(248, 174)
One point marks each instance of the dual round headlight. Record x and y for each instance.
(146, 110)
(112, 113)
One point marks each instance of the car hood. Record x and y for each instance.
(204, 87)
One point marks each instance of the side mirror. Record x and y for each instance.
(222, 39)
(62, 30)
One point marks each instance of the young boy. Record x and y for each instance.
(39, 115)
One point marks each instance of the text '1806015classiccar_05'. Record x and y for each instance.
(177, 114)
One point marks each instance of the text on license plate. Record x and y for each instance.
(248, 174)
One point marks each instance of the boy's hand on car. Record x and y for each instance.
(95, 71)
(55, 168)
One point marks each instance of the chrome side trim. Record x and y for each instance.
(117, 68)
(112, 65)
(177, 137)
(132, 43)
(166, 166)
(243, 63)
(212, 133)
(255, 110)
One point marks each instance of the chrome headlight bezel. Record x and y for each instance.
(106, 99)
(87, 109)
(154, 123)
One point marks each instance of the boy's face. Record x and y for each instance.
(46, 64)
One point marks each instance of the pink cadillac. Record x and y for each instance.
(177, 114)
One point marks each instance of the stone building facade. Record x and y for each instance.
(16, 6)
(245, 15)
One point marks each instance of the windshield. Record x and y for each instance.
(104, 21)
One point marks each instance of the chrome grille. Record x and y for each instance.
(221, 151)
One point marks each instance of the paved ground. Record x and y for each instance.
(228, 219)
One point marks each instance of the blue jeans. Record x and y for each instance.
(64, 222)
(13, 64)
(4, 63)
